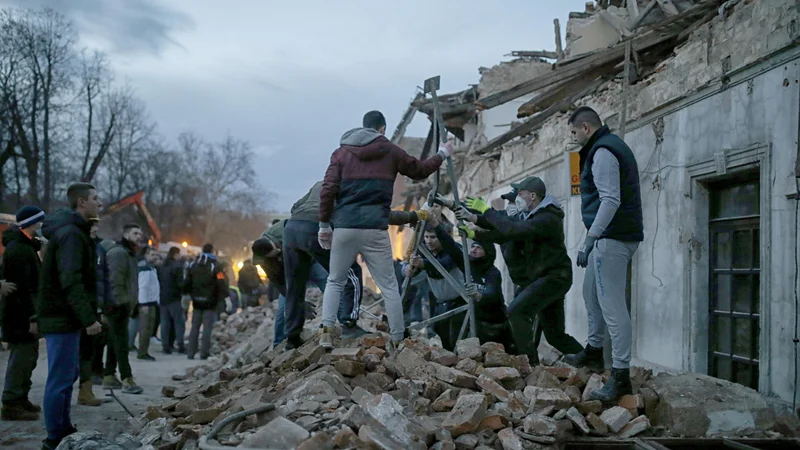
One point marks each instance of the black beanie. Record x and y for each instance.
(29, 215)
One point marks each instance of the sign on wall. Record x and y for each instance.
(575, 172)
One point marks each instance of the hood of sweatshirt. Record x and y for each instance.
(62, 218)
(15, 234)
(364, 143)
(551, 203)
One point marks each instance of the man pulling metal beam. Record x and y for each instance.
(538, 228)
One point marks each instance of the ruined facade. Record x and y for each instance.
(714, 128)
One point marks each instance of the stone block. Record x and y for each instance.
(492, 387)
(631, 402)
(444, 445)
(616, 418)
(499, 359)
(346, 438)
(650, 399)
(421, 406)
(502, 374)
(466, 442)
(523, 365)
(389, 413)
(469, 348)
(696, 405)
(573, 393)
(470, 366)
(280, 433)
(592, 406)
(494, 422)
(168, 391)
(540, 397)
(634, 427)
(446, 401)
(454, 376)
(371, 361)
(349, 354)
(540, 425)
(444, 357)
(492, 347)
(597, 424)
(378, 437)
(360, 395)
(374, 341)
(204, 416)
(466, 415)
(595, 382)
(578, 420)
(320, 441)
(509, 439)
(409, 363)
(349, 368)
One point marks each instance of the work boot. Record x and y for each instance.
(145, 357)
(325, 339)
(30, 406)
(352, 331)
(16, 411)
(618, 384)
(111, 382)
(49, 444)
(130, 387)
(590, 357)
(86, 396)
(293, 343)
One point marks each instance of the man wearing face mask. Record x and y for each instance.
(611, 207)
(547, 275)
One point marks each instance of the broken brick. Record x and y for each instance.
(494, 422)
(501, 373)
(446, 401)
(595, 382)
(634, 427)
(453, 376)
(498, 359)
(540, 425)
(489, 385)
(469, 348)
(578, 420)
(350, 354)
(349, 368)
(374, 341)
(444, 357)
(492, 347)
(597, 424)
(466, 415)
(616, 418)
(509, 439)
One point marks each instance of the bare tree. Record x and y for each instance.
(126, 149)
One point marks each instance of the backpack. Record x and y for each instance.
(205, 281)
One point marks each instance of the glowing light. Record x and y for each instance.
(240, 265)
(185, 244)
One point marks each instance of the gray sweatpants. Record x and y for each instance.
(376, 250)
(604, 293)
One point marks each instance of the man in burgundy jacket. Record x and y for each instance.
(357, 194)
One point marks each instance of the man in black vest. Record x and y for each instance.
(611, 207)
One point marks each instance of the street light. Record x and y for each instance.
(185, 244)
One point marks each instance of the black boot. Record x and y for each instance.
(590, 357)
(618, 384)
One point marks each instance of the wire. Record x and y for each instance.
(796, 288)
(658, 129)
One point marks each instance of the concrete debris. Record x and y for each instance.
(91, 440)
(422, 396)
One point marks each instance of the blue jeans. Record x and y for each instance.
(63, 359)
(318, 277)
(133, 329)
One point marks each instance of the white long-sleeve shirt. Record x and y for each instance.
(149, 288)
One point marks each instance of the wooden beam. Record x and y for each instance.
(426, 150)
(668, 7)
(537, 121)
(638, 19)
(400, 131)
(561, 91)
(559, 48)
(535, 54)
(613, 55)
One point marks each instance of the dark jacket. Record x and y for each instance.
(20, 266)
(123, 273)
(441, 289)
(249, 281)
(492, 306)
(67, 283)
(170, 278)
(541, 238)
(307, 208)
(103, 280)
(627, 223)
(205, 283)
(358, 185)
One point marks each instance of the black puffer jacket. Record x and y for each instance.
(67, 282)
(21, 266)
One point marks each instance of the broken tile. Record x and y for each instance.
(595, 382)
(540, 425)
(578, 420)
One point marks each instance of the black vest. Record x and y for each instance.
(627, 222)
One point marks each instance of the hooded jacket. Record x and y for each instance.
(170, 278)
(358, 185)
(21, 266)
(67, 283)
(149, 289)
(539, 237)
(205, 282)
(492, 307)
(123, 275)
(307, 208)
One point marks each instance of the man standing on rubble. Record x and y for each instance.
(357, 194)
(542, 287)
(205, 283)
(611, 206)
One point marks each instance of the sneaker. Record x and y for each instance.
(353, 332)
(166, 351)
(17, 412)
(111, 382)
(146, 357)
(293, 344)
(130, 387)
(325, 340)
(203, 357)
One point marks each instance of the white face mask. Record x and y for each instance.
(512, 209)
(522, 205)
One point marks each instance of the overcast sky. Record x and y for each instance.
(291, 76)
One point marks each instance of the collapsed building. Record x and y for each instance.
(708, 99)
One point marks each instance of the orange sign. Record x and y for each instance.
(575, 172)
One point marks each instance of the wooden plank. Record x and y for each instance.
(638, 20)
(613, 55)
(537, 121)
(560, 91)
(559, 47)
(400, 131)
(535, 54)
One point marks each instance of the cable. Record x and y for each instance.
(658, 129)
(796, 293)
(208, 442)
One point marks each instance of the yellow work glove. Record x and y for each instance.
(468, 231)
(423, 215)
(478, 204)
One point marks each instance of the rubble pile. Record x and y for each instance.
(235, 328)
(366, 395)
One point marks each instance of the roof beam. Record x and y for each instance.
(535, 54)
(400, 131)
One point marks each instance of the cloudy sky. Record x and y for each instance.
(292, 76)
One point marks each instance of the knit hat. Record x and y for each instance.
(29, 215)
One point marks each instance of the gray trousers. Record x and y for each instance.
(21, 362)
(376, 250)
(604, 293)
(172, 317)
(206, 318)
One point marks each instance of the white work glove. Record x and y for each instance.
(229, 305)
(446, 149)
(325, 236)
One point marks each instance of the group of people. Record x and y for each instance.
(84, 295)
(350, 212)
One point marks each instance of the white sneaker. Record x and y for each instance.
(325, 340)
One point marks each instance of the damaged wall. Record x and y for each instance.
(715, 104)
